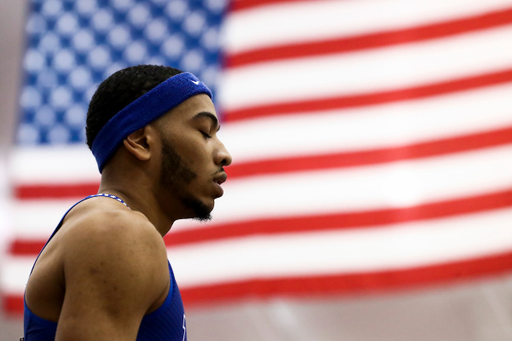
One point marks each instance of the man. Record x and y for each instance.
(104, 274)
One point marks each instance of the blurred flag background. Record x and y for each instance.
(370, 196)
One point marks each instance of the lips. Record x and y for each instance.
(220, 179)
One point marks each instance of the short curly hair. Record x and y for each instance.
(119, 90)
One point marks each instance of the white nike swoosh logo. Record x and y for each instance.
(195, 82)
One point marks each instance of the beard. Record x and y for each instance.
(175, 176)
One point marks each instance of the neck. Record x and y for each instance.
(140, 196)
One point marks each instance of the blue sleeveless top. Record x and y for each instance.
(167, 323)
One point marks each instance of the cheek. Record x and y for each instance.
(195, 154)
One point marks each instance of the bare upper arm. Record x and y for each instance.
(115, 267)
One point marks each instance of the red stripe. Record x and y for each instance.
(338, 221)
(339, 284)
(26, 247)
(371, 157)
(343, 284)
(321, 222)
(305, 163)
(383, 97)
(55, 191)
(240, 5)
(371, 41)
(13, 304)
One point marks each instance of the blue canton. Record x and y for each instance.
(74, 45)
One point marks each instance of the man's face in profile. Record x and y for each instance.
(192, 156)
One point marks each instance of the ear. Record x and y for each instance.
(140, 143)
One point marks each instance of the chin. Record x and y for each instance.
(199, 210)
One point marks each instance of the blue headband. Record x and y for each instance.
(143, 111)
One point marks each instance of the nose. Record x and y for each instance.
(222, 156)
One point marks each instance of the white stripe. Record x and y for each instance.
(354, 251)
(367, 128)
(318, 20)
(36, 219)
(400, 246)
(367, 71)
(53, 165)
(398, 184)
(14, 272)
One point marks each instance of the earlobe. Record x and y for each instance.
(139, 144)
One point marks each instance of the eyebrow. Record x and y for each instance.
(209, 115)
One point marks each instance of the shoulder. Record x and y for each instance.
(104, 242)
(103, 222)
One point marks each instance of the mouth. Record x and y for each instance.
(220, 179)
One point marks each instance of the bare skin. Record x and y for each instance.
(107, 266)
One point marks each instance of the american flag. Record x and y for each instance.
(372, 140)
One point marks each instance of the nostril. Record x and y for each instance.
(226, 161)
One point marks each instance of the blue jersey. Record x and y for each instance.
(167, 323)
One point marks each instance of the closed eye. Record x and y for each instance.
(206, 135)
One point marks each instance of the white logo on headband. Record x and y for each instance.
(195, 82)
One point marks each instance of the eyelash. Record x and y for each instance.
(206, 135)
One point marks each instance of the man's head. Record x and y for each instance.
(179, 149)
